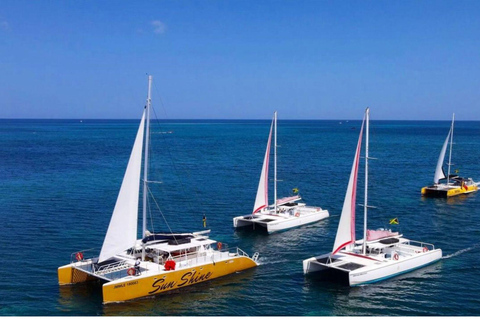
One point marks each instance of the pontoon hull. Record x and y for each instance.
(374, 272)
(70, 275)
(436, 192)
(275, 223)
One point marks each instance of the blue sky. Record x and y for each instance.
(407, 60)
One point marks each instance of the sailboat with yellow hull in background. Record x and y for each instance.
(454, 185)
(132, 268)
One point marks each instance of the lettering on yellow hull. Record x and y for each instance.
(132, 287)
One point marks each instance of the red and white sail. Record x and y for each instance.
(261, 201)
(346, 227)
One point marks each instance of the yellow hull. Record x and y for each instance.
(69, 275)
(133, 287)
(445, 193)
(136, 287)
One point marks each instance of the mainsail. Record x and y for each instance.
(122, 230)
(346, 227)
(439, 173)
(261, 201)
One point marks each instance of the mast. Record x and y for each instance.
(365, 207)
(275, 164)
(145, 165)
(450, 156)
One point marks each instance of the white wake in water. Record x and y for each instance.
(459, 252)
(264, 261)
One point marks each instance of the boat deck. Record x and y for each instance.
(117, 268)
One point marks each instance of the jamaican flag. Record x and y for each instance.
(394, 221)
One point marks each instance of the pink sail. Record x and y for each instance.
(379, 234)
(346, 227)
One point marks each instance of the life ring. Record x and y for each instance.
(425, 249)
(219, 245)
(395, 256)
(131, 271)
(170, 265)
(297, 214)
(79, 256)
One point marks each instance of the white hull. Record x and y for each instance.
(357, 269)
(278, 222)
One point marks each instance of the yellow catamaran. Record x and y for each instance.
(453, 185)
(131, 268)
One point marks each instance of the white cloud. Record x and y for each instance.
(158, 26)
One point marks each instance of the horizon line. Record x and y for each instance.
(227, 119)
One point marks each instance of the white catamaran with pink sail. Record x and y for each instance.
(383, 255)
(284, 213)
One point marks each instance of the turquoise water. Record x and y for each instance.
(60, 179)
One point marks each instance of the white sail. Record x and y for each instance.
(122, 231)
(261, 201)
(439, 173)
(346, 226)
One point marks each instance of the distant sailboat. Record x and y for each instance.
(384, 254)
(131, 268)
(454, 185)
(284, 213)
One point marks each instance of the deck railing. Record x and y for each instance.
(84, 255)
(427, 245)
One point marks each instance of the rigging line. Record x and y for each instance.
(182, 185)
(158, 207)
(150, 212)
(196, 196)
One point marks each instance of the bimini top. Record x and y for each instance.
(170, 247)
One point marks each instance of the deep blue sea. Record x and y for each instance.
(60, 180)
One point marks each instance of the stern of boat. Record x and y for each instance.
(315, 264)
(68, 274)
(243, 221)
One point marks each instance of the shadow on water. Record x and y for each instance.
(208, 297)
(457, 200)
(80, 298)
(400, 293)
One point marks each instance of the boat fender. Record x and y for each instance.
(131, 271)
(395, 256)
(79, 256)
(219, 245)
(425, 249)
(169, 265)
(297, 214)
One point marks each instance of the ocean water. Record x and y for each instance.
(60, 179)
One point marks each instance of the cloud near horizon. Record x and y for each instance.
(158, 26)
